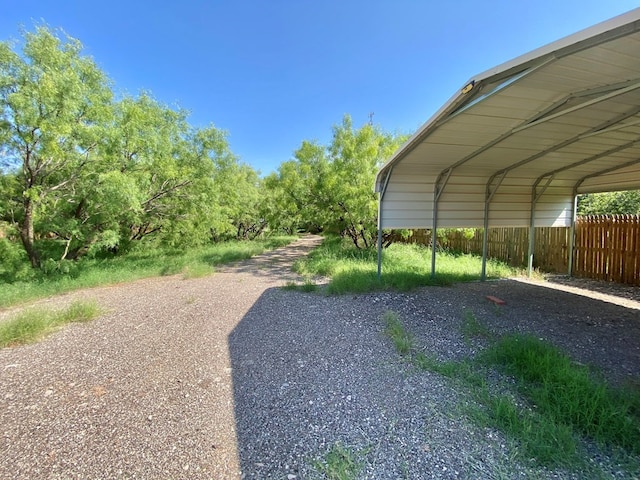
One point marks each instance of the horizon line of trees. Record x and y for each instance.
(83, 171)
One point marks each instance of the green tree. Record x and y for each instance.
(330, 187)
(356, 155)
(610, 203)
(53, 106)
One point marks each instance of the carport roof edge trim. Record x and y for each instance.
(602, 32)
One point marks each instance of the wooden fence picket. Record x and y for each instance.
(607, 247)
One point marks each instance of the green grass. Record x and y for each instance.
(569, 393)
(549, 406)
(340, 463)
(404, 267)
(307, 286)
(32, 325)
(402, 340)
(60, 277)
(473, 329)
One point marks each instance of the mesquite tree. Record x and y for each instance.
(53, 105)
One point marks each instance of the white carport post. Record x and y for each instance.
(382, 192)
(572, 232)
(491, 190)
(441, 182)
(535, 196)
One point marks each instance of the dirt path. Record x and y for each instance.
(145, 391)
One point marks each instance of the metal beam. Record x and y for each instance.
(621, 91)
(382, 192)
(490, 192)
(605, 171)
(592, 158)
(597, 130)
(535, 196)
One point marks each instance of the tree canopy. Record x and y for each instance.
(329, 187)
(610, 203)
(85, 170)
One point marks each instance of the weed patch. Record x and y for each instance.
(142, 262)
(568, 393)
(402, 340)
(307, 286)
(549, 404)
(32, 325)
(340, 463)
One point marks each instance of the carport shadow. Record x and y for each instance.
(311, 370)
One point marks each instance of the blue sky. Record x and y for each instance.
(273, 73)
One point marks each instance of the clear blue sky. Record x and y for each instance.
(273, 73)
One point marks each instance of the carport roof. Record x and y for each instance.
(564, 115)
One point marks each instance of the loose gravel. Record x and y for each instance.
(231, 376)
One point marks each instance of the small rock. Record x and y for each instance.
(291, 476)
(48, 393)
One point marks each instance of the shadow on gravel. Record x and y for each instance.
(310, 371)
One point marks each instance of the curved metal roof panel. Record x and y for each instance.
(560, 120)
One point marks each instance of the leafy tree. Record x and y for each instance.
(331, 187)
(356, 156)
(609, 203)
(53, 105)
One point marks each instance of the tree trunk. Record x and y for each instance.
(26, 234)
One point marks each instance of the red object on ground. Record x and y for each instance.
(495, 300)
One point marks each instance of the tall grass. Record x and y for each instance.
(549, 403)
(59, 277)
(404, 266)
(31, 325)
(569, 393)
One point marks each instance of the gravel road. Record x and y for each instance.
(230, 376)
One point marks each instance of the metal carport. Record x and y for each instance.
(519, 142)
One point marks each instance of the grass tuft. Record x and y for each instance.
(308, 286)
(340, 463)
(197, 270)
(472, 328)
(402, 339)
(32, 325)
(569, 393)
(549, 404)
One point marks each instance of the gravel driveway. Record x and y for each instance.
(231, 376)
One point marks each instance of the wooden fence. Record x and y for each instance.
(607, 247)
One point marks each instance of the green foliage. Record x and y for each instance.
(329, 188)
(54, 104)
(569, 393)
(610, 203)
(354, 270)
(14, 264)
(84, 174)
(554, 400)
(340, 463)
(31, 325)
(139, 262)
